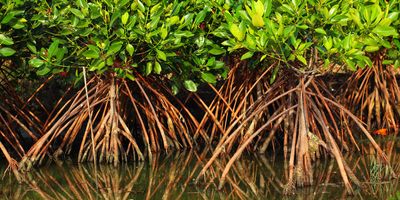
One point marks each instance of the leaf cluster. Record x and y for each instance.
(184, 41)
(168, 38)
(309, 34)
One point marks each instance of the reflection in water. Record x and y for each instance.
(171, 177)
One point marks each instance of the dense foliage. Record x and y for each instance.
(330, 32)
(184, 40)
(171, 38)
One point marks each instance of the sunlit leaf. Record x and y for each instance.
(36, 62)
(157, 67)
(190, 85)
(90, 53)
(216, 51)
(259, 8)
(301, 59)
(208, 77)
(247, 55)
(114, 47)
(4, 40)
(130, 49)
(200, 17)
(257, 20)
(161, 55)
(124, 18)
(385, 31)
(236, 32)
(371, 48)
(320, 30)
(148, 69)
(6, 51)
(77, 13)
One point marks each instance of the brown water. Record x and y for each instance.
(172, 177)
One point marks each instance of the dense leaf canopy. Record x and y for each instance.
(185, 41)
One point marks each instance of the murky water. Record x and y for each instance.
(172, 177)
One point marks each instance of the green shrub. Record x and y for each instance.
(169, 38)
(330, 32)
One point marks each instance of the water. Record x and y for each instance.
(172, 177)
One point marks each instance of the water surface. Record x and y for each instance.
(172, 177)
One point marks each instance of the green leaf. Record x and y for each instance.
(130, 49)
(183, 34)
(393, 16)
(371, 48)
(53, 49)
(148, 69)
(387, 62)
(259, 8)
(172, 20)
(274, 74)
(350, 65)
(396, 64)
(77, 13)
(154, 10)
(36, 62)
(303, 26)
(18, 25)
(211, 62)
(200, 17)
(5, 52)
(98, 65)
(190, 85)
(141, 6)
(157, 68)
(328, 43)
(385, 31)
(216, 51)
(326, 62)
(31, 47)
(114, 48)
(257, 21)
(130, 76)
(302, 59)
(347, 42)
(174, 89)
(60, 54)
(366, 60)
(397, 43)
(163, 32)
(4, 40)
(219, 65)
(43, 71)
(263, 57)
(236, 32)
(8, 18)
(208, 77)
(320, 30)
(247, 55)
(124, 18)
(90, 53)
(153, 23)
(82, 3)
(161, 55)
